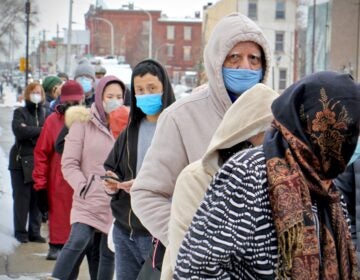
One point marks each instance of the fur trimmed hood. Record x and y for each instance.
(77, 113)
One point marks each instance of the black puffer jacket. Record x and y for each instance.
(26, 126)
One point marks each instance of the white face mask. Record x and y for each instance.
(112, 104)
(35, 98)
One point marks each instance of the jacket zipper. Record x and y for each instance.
(88, 186)
(132, 176)
(36, 115)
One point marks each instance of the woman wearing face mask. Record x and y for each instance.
(49, 182)
(26, 125)
(87, 145)
(151, 93)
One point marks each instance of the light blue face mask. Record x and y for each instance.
(240, 80)
(86, 83)
(150, 104)
(356, 154)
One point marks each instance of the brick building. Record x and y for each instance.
(176, 43)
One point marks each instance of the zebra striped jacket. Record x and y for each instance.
(232, 235)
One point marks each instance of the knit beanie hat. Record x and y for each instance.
(49, 82)
(84, 68)
(71, 91)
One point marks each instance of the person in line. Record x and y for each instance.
(253, 108)
(100, 71)
(273, 211)
(63, 76)
(151, 93)
(51, 85)
(348, 183)
(53, 192)
(85, 75)
(87, 145)
(236, 58)
(26, 125)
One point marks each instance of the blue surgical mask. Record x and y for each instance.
(150, 104)
(86, 83)
(240, 80)
(356, 154)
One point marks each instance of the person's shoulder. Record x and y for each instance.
(77, 114)
(250, 157)
(198, 95)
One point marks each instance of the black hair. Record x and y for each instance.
(225, 154)
(63, 75)
(146, 67)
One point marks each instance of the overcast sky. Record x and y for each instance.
(53, 12)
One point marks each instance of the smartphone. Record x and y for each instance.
(105, 177)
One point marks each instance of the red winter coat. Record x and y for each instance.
(47, 175)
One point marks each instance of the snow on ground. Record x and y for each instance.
(8, 242)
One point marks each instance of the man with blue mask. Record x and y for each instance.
(242, 68)
(85, 76)
(236, 57)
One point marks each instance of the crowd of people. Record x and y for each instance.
(235, 181)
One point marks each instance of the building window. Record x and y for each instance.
(187, 52)
(146, 27)
(187, 32)
(282, 78)
(252, 9)
(170, 32)
(279, 41)
(280, 9)
(170, 50)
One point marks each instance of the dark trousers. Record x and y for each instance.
(85, 240)
(24, 197)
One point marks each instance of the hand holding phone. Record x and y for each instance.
(106, 177)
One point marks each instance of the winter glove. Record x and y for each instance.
(42, 200)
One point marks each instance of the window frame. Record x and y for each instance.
(253, 3)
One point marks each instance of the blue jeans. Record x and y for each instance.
(130, 253)
(85, 240)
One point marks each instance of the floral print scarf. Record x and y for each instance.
(314, 133)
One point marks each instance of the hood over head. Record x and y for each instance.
(229, 31)
(155, 68)
(248, 116)
(100, 91)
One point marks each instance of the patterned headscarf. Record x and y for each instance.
(314, 133)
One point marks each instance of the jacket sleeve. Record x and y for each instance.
(42, 155)
(113, 161)
(189, 191)
(154, 184)
(72, 156)
(209, 244)
(22, 132)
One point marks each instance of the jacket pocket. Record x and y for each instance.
(85, 189)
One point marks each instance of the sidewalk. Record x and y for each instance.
(28, 262)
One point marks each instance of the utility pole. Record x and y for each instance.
(68, 46)
(56, 46)
(313, 38)
(27, 13)
(44, 49)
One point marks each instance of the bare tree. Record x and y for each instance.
(13, 21)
